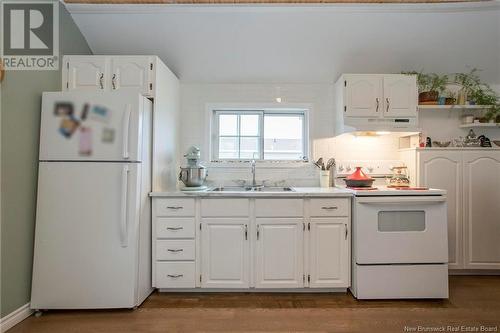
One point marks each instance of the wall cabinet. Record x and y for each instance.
(109, 73)
(472, 181)
(379, 95)
(240, 243)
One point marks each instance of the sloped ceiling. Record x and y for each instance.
(299, 43)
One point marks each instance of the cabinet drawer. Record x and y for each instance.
(175, 227)
(175, 274)
(278, 207)
(329, 207)
(174, 207)
(224, 207)
(175, 249)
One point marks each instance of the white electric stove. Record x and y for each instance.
(400, 247)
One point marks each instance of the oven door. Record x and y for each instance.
(400, 230)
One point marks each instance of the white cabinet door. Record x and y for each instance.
(279, 253)
(482, 209)
(363, 95)
(400, 96)
(132, 72)
(225, 253)
(87, 73)
(329, 263)
(443, 170)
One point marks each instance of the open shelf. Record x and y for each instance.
(474, 125)
(453, 107)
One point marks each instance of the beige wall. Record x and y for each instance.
(20, 121)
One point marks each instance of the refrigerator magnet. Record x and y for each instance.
(68, 126)
(85, 143)
(63, 109)
(108, 135)
(85, 111)
(100, 113)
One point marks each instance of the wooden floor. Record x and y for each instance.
(474, 302)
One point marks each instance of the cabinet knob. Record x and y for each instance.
(175, 228)
(101, 81)
(175, 276)
(113, 81)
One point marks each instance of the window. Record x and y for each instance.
(259, 134)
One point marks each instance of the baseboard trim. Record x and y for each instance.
(15, 317)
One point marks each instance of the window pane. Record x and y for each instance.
(228, 124)
(249, 125)
(249, 148)
(228, 147)
(283, 137)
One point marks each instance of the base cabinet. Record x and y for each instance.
(279, 253)
(241, 243)
(471, 179)
(329, 251)
(224, 253)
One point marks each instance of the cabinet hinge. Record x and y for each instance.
(151, 66)
(345, 108)
(345, 83)
(303, 226)
(200, 278)
(308, 278)
(304, 278)
(309, 226)
(67, 85)
(150, 86)
(200, 226)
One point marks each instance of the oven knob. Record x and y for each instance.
(341, 168)
(348, 168)
(370, 169)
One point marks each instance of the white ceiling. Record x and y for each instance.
(298, 44)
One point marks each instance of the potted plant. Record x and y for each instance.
(450, 97)
(429, 86)
(479, 93)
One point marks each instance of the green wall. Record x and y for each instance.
(20, 121)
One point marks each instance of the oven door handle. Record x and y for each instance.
(402, 199)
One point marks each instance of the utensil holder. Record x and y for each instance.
(324, 178)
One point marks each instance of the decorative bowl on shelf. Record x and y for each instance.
(441, 143)
(497, 142)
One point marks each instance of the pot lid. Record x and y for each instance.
(358, 175)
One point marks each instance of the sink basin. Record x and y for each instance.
(252, 189)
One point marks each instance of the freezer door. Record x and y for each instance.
(86, 238)
(97, 126)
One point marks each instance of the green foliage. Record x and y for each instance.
(429, 82)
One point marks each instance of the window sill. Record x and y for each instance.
(259, 164)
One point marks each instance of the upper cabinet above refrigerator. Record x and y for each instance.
(109, 73)
(376, 102)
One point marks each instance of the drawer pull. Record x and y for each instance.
(175, 276)
(175, 228)
(175, 250)
(329, 207)
(175, 207)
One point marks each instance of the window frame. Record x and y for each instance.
(215, 112)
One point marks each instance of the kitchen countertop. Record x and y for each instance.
(297, 192)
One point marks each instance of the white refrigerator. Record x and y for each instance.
(93, 224)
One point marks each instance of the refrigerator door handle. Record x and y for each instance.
(123, 217)
(125, 130)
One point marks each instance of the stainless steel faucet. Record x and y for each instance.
(254, 183)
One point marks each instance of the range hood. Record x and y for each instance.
(369, 124)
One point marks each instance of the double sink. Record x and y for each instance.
(252, 189)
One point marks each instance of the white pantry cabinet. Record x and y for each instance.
(471, 178)
(379, 95)
(109, 73)
(241, 243)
